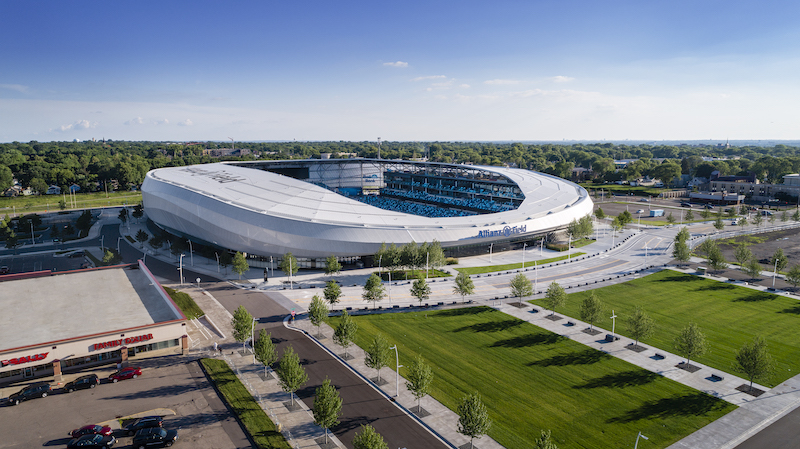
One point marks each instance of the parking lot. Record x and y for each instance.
(173, 383)
(61, 260)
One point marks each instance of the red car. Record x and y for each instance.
(91, 429)
(131, 372)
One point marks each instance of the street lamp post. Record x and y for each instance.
(613, 323)
(396, 372)
(180, 267)
(636, 446)
(774, 272)
(102, 240)
(217, 254)
(191, 252)
(490, 252)
(118, 239)
(33, 242)
(253, 339)
(524, 245)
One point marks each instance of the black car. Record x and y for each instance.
(154, 437)
(686, 204)
(91, 441)
(144, 423)
(82, 383)
(32, 391)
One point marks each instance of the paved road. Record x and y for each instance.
(782, 434)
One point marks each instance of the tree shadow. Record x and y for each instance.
(684, 278)
(585, 357)
(463, 311)
(492, 326)
(715, 286)
(621, 380)
(756, 297)
(692, 404)
(794, 310)
(529, 340)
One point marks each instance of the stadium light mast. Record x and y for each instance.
(379, 147)
(233, 144)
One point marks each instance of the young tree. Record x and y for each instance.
(640, 325)
(796, 215)
(156, 242)
(368, 439)
(771, 219)
(718, 224)
(110, 258)
(690, 342)
(683, 235)
(591, 309)
(784, 217)
(779, 260)
(373, 290)
(521, 287)
(242, 324)
(291, 374)
(793, 276)
(327, 406)
(142, 237)
(84, 222)
(731, 212)
(345, 332)
(742, 210)
(555, 297)
(419, 379)
(225, 259)
(681, 251)
(599, 213)
(706, 246)
(377, 354)
(332, 265)
(753, 360)
(265, 350)
(716, 259)
(123, 215)
(12, 241)
(689, 215)
(742, 222)
(742, 254)
(757, 220)
(289, 265)
(705, 214)
(625, 218)
(752, 268)
(544, 441)
(240, 265)
(138, 212)
(473, 418)
(318, 313)
(463, 285)
(670, 218)
(420, 289)
(332, 292)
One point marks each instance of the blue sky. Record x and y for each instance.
(434, 70)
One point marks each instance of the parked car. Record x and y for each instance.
(91, 429)
(32, 391)
(766, 213)
(4, 270)
(77, 254)
(644, 200)
(640, 211)
(82, 383)
(131, 372)
(734, 222)
(154, 437)
(92, 441)
(707, 206)
(146, 422)
(685, 204)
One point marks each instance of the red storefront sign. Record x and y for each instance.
(122, 341)
(26, 359)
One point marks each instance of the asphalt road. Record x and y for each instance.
(782, 434)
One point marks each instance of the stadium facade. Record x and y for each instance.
(349, 207)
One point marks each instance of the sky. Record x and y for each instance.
(402, 71)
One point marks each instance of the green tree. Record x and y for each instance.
(84, 222)
(742, 254)
(689, 215)
(521, 287)
(420, 290)
(753, 360)
(731, 212)
(473, 418)
(156, 242)
(670, 218)
(757, 220)
(793, 276)
(690, 342)
(110, 258)
(419, 379)
(12, 241)
(327, 406)
(138, 212)
(591, 309)
(706, 247)
(242, 323)
(555, 297)
(225, 259)
(742, 210)
(368, 439)
(640, 325)
(718, 224)
(332, 265)
(373, 290)
(345, 332)
(142, 237)
(123, 215)
(318, 313)
(240, 265)
(796, 215)
(377, 354)
(62, 204)
(682, 235)
(463, 285)
(289, 265)
(779, 261)
(742, 222)
(599, 213)
(265, 350)
(332, 292)
(544, 441)
(716, 259)
(6, 177)
(291, 374)
(752, 268)
(784, 217)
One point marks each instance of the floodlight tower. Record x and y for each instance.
(233, 145)
(379, 147)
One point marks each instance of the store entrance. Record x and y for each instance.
(27, 373)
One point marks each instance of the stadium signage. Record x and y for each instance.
(218, 175)
(507, 231)
(26, 359)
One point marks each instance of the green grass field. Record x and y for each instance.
(728, 315)
(49, 203)
(531, 379)
(257, 423)
(515, 266)
(185, 303)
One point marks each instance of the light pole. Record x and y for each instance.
(774, 272)
(102, 240)
(541, 247)
(645, 254)
(290, 274)
(33, 242)
(524, 245)
(118, 239)
(253, 339)
(569, 246)
(636, 446)
(396, 372)
(490, 252)
(191, 252)
(217, 254)
(180, 267)
(613, 323)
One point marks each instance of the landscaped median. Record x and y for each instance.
(261, 429)
(515, 266)
(531, 380)
(185, 303)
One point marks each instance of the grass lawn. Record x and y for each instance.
(531, 379)
(411, 274)
(49, 203)
(728, 315)
(515, 266)
(257, 423)
(186, 303)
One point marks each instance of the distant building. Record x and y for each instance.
(53, 190)
(221, 152)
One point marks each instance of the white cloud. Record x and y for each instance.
(18, 87)
(80, 124)
(432, 77)
(135, 121)
(498, 82)
(561, 79)
(162, 121)
(400, 64)
(186, 122)
(464, 86)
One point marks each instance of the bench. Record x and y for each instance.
(716, 378)
(659, 356)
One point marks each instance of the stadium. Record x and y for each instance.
(349, 207)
